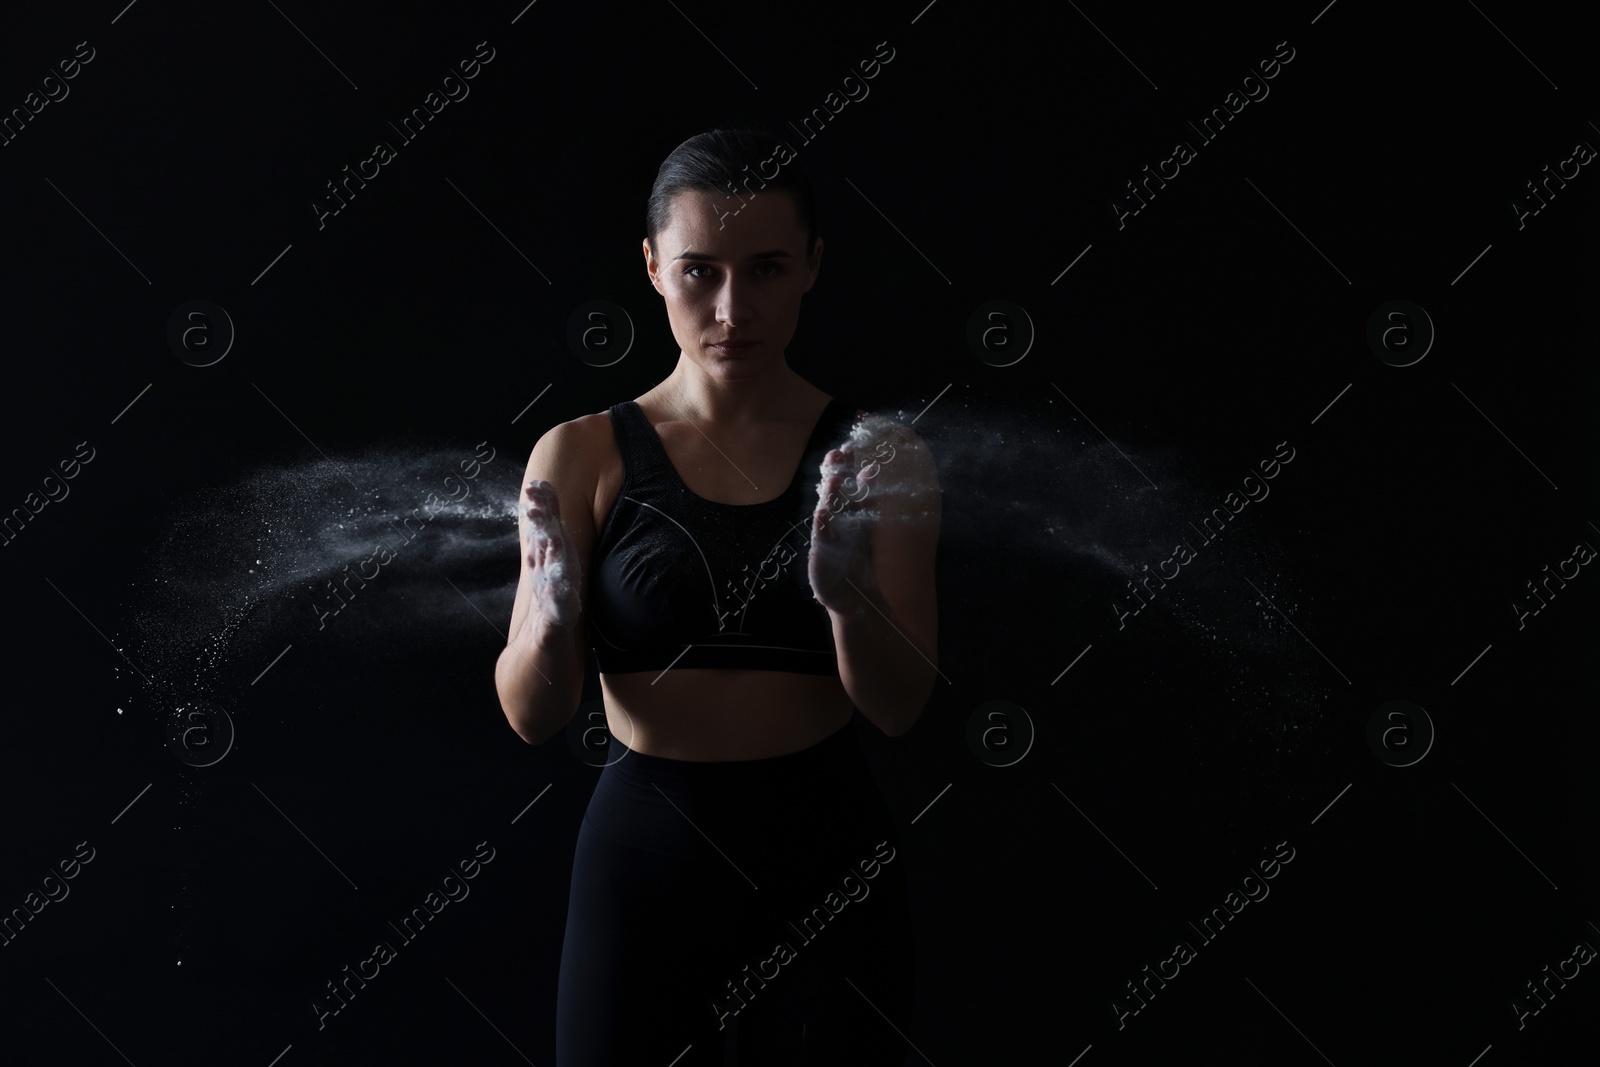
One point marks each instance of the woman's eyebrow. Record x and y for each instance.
(776, 253)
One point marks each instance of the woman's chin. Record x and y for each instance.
(738, 368)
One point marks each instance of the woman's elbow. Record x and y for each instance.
(517, 708)
(526, 725)
(521, 726)
(518, 717)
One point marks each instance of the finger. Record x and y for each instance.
(827, 489)
(549, 553)
(538, 541)
(544, 498)
(819, 525)
(857, 488)
(834, 461)
(542, 492)
(547, 521)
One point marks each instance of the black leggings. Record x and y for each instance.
(750, 905)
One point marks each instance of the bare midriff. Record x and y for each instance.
(702, 713)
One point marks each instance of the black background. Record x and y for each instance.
(1209, 327)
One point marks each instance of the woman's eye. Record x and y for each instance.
(776, 270)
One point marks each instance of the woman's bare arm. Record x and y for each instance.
(539, 675)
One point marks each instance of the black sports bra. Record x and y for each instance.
(679, 580)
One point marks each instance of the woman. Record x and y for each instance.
(736, 875)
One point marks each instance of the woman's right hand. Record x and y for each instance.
(552, 566)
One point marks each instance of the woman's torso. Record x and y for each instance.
(717, 713)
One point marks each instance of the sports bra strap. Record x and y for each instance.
(644, 460)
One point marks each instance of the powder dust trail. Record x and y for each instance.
(1041, 515)
(244, 569)
(1049, 519)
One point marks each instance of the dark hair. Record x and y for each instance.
(722, 161)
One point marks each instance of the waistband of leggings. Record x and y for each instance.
(837, 750)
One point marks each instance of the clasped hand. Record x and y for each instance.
(840, 565)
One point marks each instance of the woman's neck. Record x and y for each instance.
(689, 393)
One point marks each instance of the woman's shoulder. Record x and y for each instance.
(580, 457)
(578, 433)
(580, 446)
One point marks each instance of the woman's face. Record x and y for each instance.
(732, 271)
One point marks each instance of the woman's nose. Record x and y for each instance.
(734, 303)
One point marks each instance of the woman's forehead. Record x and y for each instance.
(735, 224)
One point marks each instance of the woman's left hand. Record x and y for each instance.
(841, 533)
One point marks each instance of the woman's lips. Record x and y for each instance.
(735, 346)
